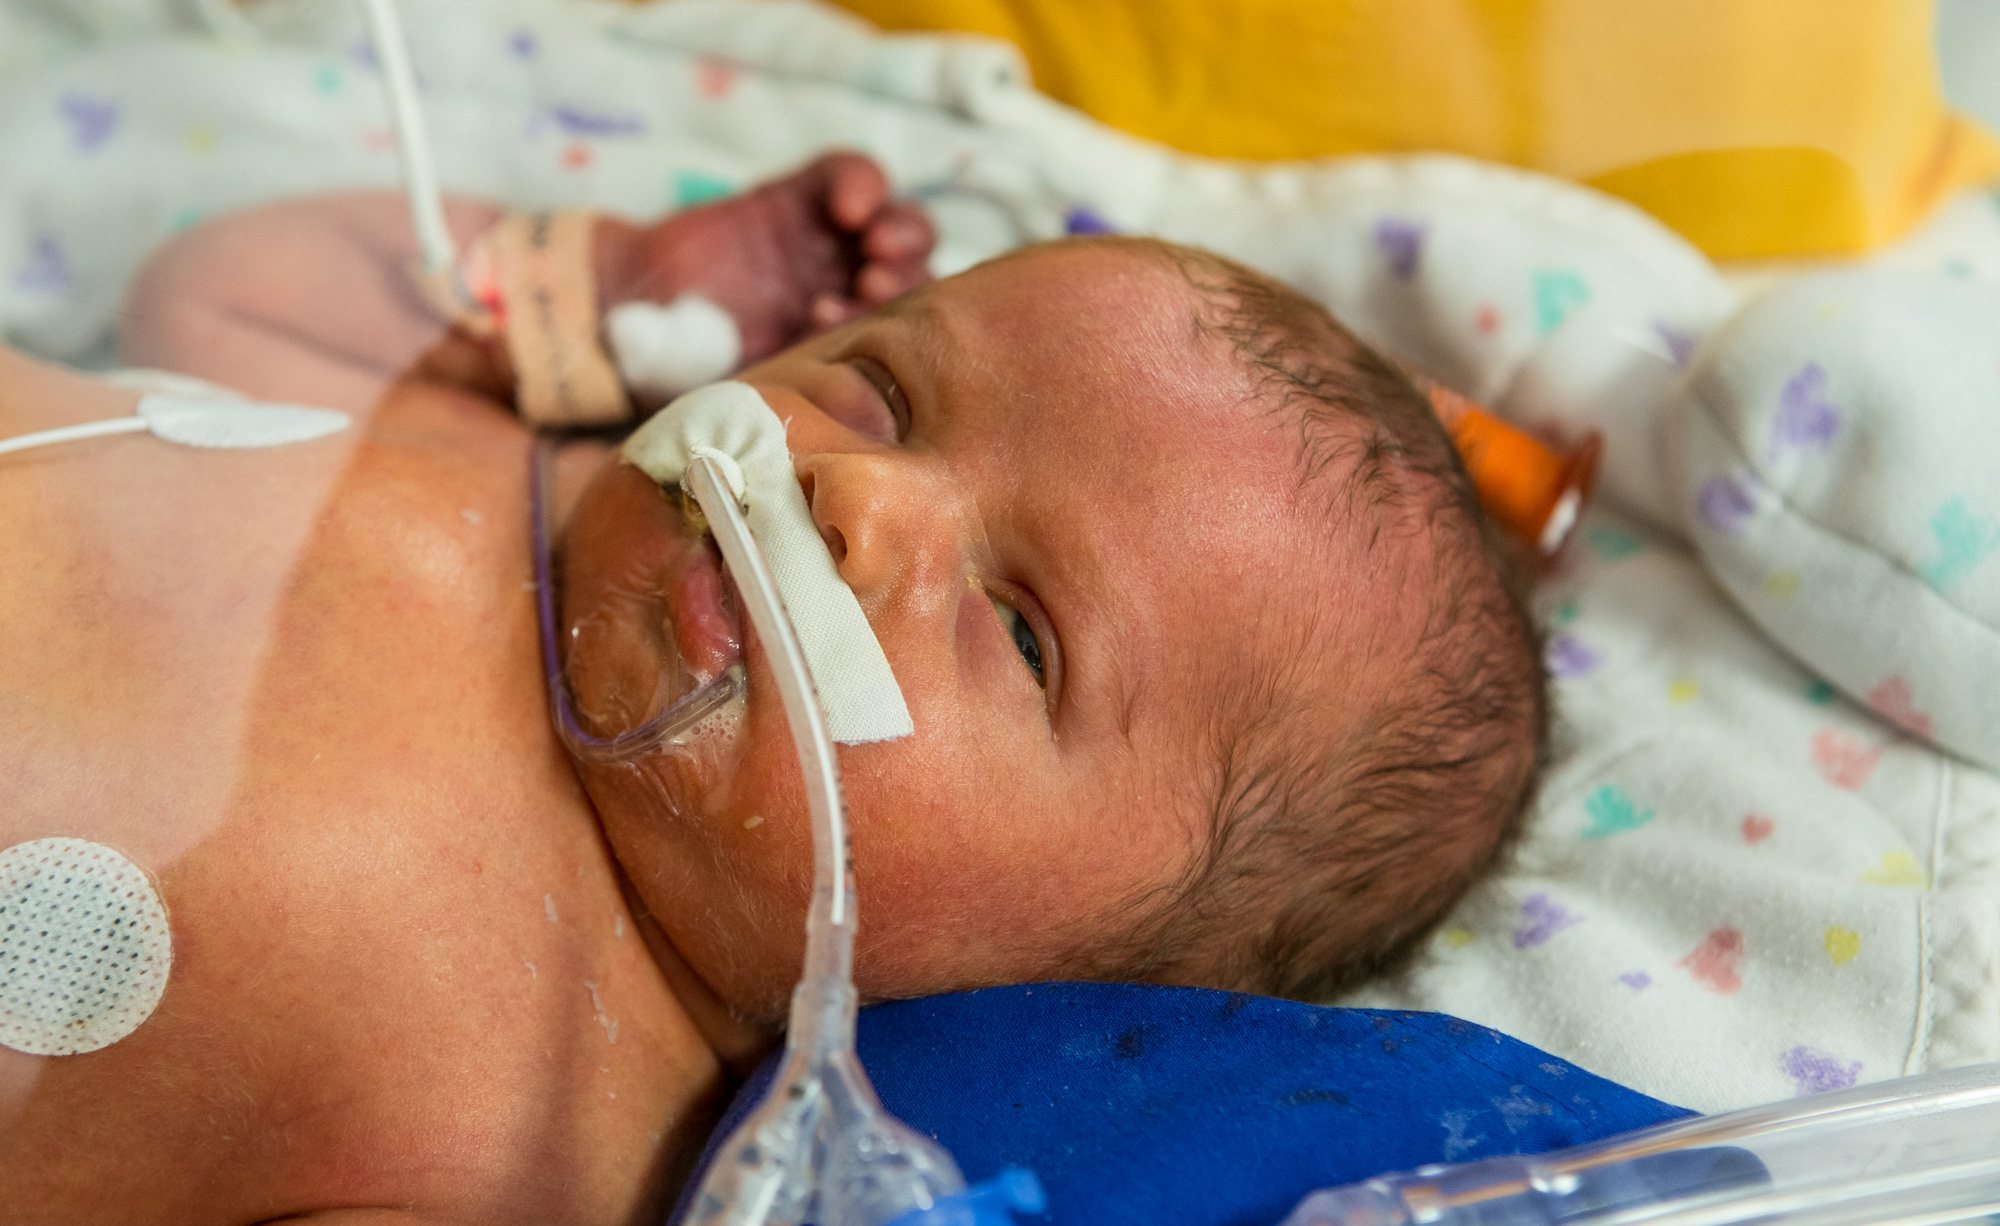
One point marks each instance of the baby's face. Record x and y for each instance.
(1073, 535)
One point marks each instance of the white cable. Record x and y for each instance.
(200, 421)
(69, 434)
(413, 142)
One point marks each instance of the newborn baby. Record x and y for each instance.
(1216, 672)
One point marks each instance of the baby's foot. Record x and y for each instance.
(795, 256)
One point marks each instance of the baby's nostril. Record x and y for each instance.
(836, 544)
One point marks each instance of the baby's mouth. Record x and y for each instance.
(703, 608)
(648, 614)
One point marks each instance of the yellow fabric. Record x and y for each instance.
(1754, 127)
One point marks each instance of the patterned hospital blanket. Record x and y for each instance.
(1767, 858)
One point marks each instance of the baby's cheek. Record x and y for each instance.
(898, 812)
(761, 814)
(934, 840)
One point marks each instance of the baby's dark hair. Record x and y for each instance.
(1336, 845)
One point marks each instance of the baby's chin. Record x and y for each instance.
(722, 870)
(687, 824)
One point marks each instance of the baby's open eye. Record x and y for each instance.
(1023, 635)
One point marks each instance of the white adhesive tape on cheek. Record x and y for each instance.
(666, 350)
(856, 687)
(84, 947)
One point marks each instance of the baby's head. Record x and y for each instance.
(1217, 672)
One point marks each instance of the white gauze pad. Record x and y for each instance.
(84, 947)
(731, 423)
(666, 350)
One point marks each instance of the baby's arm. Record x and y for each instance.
(315, 300)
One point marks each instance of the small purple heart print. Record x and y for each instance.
(1806, 420)
(1541, 918)
(1081, 219)
(522, 44)
(1725, 504)
(91, 120)
(1816, 1072)
(1680, 345)
(1569, 656)
(1401, 241)
(1638, 981)
(47, 270)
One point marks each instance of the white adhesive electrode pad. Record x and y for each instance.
(84, 947)
(236, 424)
(664, 350)
(730, 423)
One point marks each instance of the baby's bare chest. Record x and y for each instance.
(194, 629)
(304, 698)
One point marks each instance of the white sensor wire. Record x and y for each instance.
(199, 422)
(413, 143)
(71, 434)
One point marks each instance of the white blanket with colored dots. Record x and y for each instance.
(1766, 860)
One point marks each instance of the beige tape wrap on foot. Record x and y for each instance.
(539, 270)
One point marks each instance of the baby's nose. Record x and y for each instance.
(885, 522)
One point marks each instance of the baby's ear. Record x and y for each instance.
(1834, 460)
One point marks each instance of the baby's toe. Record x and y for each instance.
(853, 187)
(878, 283)
(831, 310)
(899, 232)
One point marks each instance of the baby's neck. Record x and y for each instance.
(738, 1042)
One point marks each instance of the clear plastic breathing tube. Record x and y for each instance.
(819, 1147)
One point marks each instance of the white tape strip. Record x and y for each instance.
(856, 687)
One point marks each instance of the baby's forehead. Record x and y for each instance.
(1083, 269)
(1147, 339)
(1188, 461)
(1115, 316)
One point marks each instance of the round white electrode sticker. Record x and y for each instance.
(84, 947)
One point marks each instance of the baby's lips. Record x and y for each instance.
(707, 629)
(650, 613)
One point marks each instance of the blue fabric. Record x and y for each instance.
(1180, 1105)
